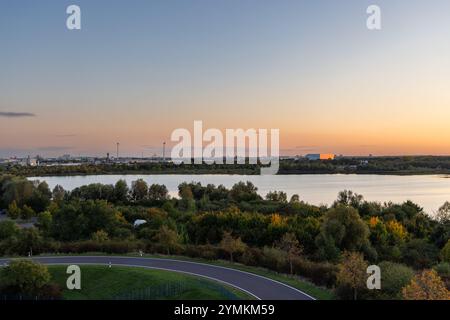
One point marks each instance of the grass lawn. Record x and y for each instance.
(104, 283)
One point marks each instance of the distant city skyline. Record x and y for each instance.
(139, 69)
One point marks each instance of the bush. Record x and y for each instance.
(206, 251)
(320, 273)
(394, 277)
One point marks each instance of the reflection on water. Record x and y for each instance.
(429, 191)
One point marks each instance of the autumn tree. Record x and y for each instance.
(231, 245)
(14, 211)
(100, 236)
(167, 238)
(426, 286)
(352, 272)
(289, 244)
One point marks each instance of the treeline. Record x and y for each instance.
(360, 165)
(369, 165)
(130, 168)
(212, 222)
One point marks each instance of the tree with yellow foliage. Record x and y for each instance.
(426, 286)
(396, 231)
(352, 272)
(289, 244)
(231, 245)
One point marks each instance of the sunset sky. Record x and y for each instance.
(139, 69)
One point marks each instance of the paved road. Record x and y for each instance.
(260, 287)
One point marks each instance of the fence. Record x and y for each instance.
(172, 291)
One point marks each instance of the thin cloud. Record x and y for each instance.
(16, 114)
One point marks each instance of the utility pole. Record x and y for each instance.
(164, 151)
(117, 144)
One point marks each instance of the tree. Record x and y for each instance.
(397, 233)
(14, 211)
(158, 192)
(30, 241)
(426, 286)
(44, 222)
(295, 199)
(277, 196)
(121, 191)
(100, 236)
(419, 253)
(58, 193)
(244, 192)
(348, 198)
(342, 229)
(231, 245)
(187, 202)
(139, 190)
(394, 277)
(443, 214)
(8, 229)
(168, 238)
(27, 212)
(289, 244)
(352, 272)
(445, 252)
(24, 276)
(41, 197)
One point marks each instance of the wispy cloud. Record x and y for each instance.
(16, 114)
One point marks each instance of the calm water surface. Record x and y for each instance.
(429, 191)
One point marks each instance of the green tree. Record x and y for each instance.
(394, 277)
(121, 191)
(58, 193)
(44, 222)
(187, 202)
(158, 192)
(139, 190)
(27, 212)
(445, 252)
(349, 198)
(277, 196)
(342, 229)
(244, 192)
(24, 276)
(8, 229)
(295, 199)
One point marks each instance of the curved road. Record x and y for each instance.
(260, 287)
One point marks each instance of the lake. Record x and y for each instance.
(429, 191)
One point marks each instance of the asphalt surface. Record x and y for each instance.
(260, 287)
